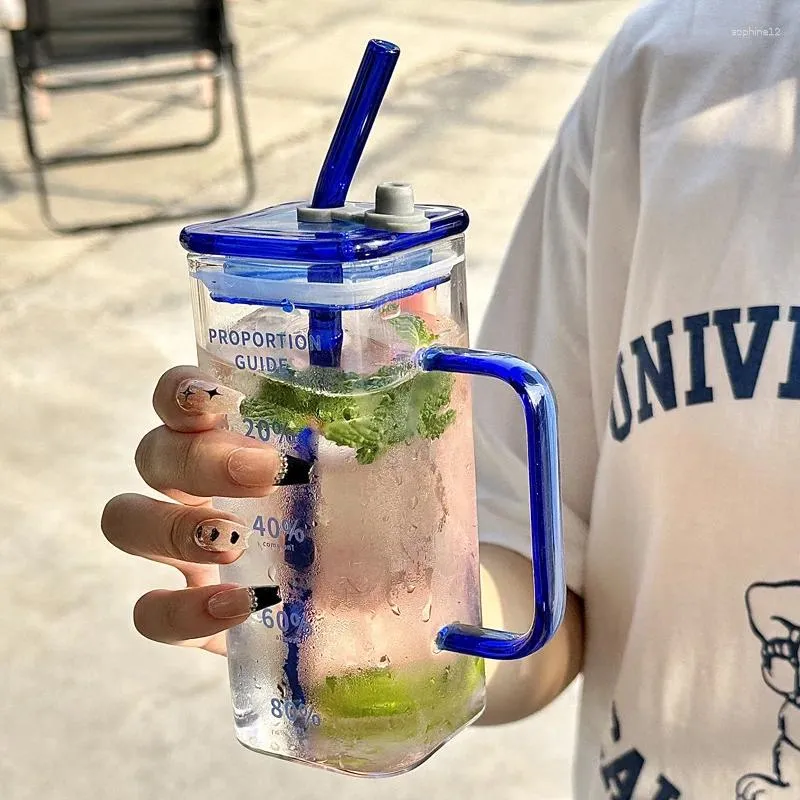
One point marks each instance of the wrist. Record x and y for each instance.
(516, 689)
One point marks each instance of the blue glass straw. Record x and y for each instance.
(325, 326)
(355, 124)
(336, 175)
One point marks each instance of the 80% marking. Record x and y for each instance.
(286, 709)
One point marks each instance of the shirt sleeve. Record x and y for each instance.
(538, 311)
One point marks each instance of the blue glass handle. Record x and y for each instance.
(547, 553)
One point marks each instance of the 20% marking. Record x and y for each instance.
(264, 430)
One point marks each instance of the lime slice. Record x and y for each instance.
(386, 693)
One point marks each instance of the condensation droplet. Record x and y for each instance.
(385, 661)
(272, 573)
(287, 305)
(426, 612)
(414, 501)
(395, 609)
(410, 587)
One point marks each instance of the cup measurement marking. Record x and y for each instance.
(293, 530)
(263, 430)
(291, 624)
(286, 709)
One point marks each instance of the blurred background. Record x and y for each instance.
(89, 321)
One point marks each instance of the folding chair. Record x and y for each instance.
(101, 34)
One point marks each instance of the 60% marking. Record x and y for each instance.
(285, 622)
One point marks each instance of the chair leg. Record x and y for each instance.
(39, 176)
(216, 109)
(39, 164)
(248, 163)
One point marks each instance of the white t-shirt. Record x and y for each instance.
(652, 278)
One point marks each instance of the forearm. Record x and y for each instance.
(516, 689)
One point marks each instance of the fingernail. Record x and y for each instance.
(242, 601)
(293, 471)
(202, 397)
(252, 466)
(221, 535)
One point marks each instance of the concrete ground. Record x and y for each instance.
(88, 323)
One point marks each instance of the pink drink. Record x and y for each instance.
(394, 560)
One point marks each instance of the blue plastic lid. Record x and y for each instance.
(275, 234)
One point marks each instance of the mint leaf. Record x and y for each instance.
(412, 329)
(367, 413)
(361, 433)
(434, 416)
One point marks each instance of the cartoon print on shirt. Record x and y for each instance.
(774, 612)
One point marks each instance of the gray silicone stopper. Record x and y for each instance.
(315, 215)
(395, 211)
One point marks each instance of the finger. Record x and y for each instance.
(176, 617)
(215, 464)
(186, 499)
(187, 399)
(163, 532)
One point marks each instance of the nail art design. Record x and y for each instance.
(242, 601)
(293, 471)
(222, 535)
(263, 597)
(202, 397)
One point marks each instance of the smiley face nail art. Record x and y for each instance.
(221, 535)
